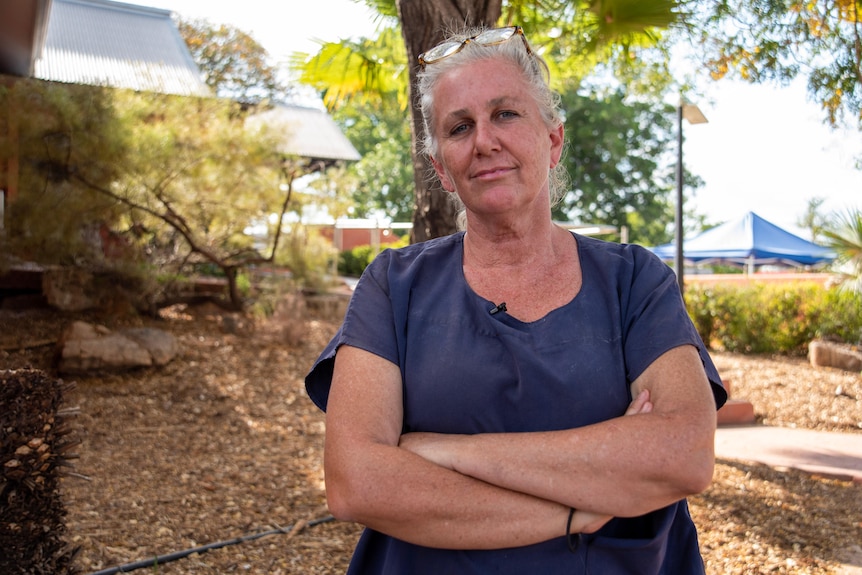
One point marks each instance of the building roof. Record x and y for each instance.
(120, 45)
(128, 46)
(308, 132)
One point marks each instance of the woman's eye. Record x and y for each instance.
(459, 129)
(505, 114)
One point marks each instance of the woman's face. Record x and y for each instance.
(493, 146)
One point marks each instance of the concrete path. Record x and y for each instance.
(837, 455)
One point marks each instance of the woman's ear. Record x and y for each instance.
(557, 139)
(441, 173)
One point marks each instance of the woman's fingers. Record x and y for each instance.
(640, 404)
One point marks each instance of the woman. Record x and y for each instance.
(514, 398)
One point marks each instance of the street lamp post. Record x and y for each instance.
(694, 116)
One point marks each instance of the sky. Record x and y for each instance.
(764, 149)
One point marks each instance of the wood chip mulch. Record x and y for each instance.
(223, 443)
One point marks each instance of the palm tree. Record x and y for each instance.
(844, 235)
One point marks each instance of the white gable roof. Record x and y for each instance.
(119, 45)
(307, 132)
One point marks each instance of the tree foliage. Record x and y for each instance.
(763, 40)
(617, 160)
(61, 129)
(384, 175)
(574, 37)
(194, 180)
(844, 235)
(175, 181)
(358, 71)
(233, 63)
(813, 220)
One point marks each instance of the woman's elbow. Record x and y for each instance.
(341, 495)
(696, 474)
(338, 498)
(338, 506)
(700, 476)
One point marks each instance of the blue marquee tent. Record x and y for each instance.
(749, 240)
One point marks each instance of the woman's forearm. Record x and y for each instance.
(604, 468)
(627, 466)
(398, 493)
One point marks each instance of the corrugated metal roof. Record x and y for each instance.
(308, 133)
(120, 45)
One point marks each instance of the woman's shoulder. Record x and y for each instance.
(621, 264)
(437, 248)
(634, 254)
(419, 262)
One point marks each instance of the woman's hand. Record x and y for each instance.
(640, 404)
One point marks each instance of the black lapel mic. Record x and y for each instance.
(497, 308)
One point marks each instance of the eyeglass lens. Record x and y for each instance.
(486, 38)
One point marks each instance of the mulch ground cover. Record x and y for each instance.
(223, 443)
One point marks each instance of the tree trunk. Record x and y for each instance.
(236, 303)
(423, 23)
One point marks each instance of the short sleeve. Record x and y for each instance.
(368, 324)
(657, 320)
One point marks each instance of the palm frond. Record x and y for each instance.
(629, 22)
(357, 70)
(844, 235)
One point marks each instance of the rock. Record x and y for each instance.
(161, 345)
(833, 354)
(85, 347)
(69, 289)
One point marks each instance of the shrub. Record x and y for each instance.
(353, 262)
(773, 318)
(309, 257)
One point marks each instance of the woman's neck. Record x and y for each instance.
(533, 273)
(511, 246)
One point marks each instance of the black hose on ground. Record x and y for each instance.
(161, 559)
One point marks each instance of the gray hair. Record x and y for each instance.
(534, 71)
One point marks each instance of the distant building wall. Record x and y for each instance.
(345, 239)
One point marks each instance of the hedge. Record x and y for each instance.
(773, 318)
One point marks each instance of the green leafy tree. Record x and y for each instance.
(194, 180)
(367, 70)
(62, 130)
(369, 102)
(233, 63)
(762, 40)
(384, 175)
(813, 220)
(182, 179)
(618, 161)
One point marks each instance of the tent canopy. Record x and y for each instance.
(749, 240)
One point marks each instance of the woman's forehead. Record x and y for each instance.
(480, 83)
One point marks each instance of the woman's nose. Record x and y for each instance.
(487, 140)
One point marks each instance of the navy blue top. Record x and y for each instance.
(466, 371)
